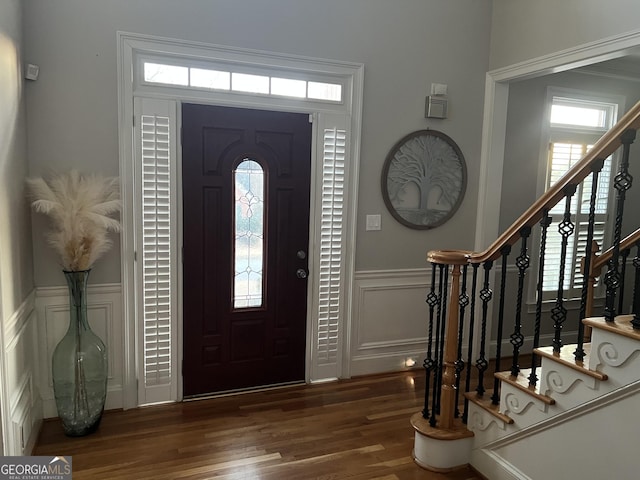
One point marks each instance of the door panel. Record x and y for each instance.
(227, 348)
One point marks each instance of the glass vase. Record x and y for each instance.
(79, 366)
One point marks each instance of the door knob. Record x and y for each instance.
(301, 273)
(301, 254)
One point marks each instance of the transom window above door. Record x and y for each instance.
(157, 72)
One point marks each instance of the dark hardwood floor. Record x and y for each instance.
(356, 429)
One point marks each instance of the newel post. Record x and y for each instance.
(448, 402)
(446, 443)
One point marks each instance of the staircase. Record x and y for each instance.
(547, 421)
(551, 430)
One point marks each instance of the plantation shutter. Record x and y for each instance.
(327, 343)
(564, 155)
(155, 133)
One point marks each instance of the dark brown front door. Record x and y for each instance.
(245, 181)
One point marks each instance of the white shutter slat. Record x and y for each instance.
(156, 213)
(331, 242)
(155, 130)
(562, 157)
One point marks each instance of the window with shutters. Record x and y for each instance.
(156, 267)
(154, 174)
(331, 241)
(575, 124)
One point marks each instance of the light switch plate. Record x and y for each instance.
(373, 222)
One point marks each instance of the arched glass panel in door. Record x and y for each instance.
(248, 281)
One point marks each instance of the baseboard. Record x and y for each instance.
(493, 466)
(113, 402)
(381, 363)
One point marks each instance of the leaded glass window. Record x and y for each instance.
(248, 282)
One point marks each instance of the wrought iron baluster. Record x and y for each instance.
(463, 301)
(544, 226)
(485, 295)
(566, 229)
(506, 250)
(622, 182)
(429, 362)
(472, 318)
(437, 347)
(517, 339)
(623, 271)
(596, 167)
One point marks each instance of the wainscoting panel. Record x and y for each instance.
(24, 408)
(389, 328)
(104, 310)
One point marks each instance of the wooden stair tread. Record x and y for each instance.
(567, 358)
(485, 403)
(521, 382)
(621, 325)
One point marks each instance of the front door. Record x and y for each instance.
(245, 182)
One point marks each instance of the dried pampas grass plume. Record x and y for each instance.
(79, 207)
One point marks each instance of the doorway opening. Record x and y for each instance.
(153, 220)
(245, 181)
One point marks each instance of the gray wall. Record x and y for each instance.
(525, 29)
(16, 267)
(405, 46)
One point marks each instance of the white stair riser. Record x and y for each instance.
(612, 354)
(615, 355)
(485, 427)
(523, 408)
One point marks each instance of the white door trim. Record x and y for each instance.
(130, 47)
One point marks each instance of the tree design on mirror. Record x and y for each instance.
(424, 179)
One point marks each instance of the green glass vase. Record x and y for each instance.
(79, 365)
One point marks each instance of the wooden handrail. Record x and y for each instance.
(622, 132)
(603, 148)
(603, 258)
